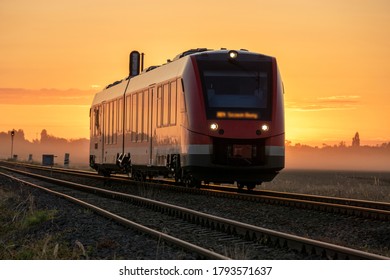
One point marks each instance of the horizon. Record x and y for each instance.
(334, 58)
(288, 143)
(298, 156)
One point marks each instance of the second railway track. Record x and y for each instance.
(355, 207)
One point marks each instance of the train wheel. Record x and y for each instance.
(104, 172)
(178, 177)
(190, 182)
(139, 176)
(249, 185)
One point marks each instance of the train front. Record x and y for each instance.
(235, 118)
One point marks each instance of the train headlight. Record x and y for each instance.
(264, 127)
(213, 126)
(233, 54)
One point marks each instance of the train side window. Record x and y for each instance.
(120, 115)
(139, 116)
(159, 106)
(166, 101)
(109, 123)
(114, 121)
(128, 110)
(101, 121)
(173, 103)
(109, 127)
(145, 118)
(96, 125)
(91, 120)
(106, 123)
(134, 118)
(180, 92)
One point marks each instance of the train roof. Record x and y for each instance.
(154, 75)
(139, 82)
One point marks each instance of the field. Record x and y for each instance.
(368, 185)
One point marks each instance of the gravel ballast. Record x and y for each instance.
(107, 240)
(79, 233)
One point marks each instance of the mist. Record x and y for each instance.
(340, 157)
(364, 158)
(47, 144)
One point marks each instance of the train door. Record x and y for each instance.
(97, 133)
(103, 109)
(101, 134)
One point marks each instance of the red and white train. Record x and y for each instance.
(211, 116)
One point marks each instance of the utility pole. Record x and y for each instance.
(12, 143)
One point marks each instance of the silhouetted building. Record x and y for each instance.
(356, 140)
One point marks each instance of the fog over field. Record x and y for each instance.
(337, 157)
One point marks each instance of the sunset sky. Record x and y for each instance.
(334, 58)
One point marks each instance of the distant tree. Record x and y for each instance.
(356, 140)
(342, 144)
(44, 135)
(385, 145)
(50, 139)
(19, 134)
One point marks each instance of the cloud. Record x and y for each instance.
(340, 98)
(327, 103)
(18, 96)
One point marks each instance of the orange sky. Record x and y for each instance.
(334, 57)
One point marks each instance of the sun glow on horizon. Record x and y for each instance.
(333, 55)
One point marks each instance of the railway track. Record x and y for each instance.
(198, 226)
(82, 195)
(355, 207)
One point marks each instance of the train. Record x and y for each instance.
(205, 116)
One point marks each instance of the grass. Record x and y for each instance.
(374, 186)
(237, 252)
(19, 219)
(37, 217)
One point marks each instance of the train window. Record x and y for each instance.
(91, 120)
(237, 90)
(114, 121)
(173, 101)
(128, 110)
(159, 106)
(167, 104)
(120, 115)
(145, 118)
(134, 118)
(109, 126)
(139, 116)
(101, 120)
(180, 95)
(96, 125)
(106, 123)
(165, 109)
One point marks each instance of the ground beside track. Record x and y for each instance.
(36, 225)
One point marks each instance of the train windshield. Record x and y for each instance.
(237, 90)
